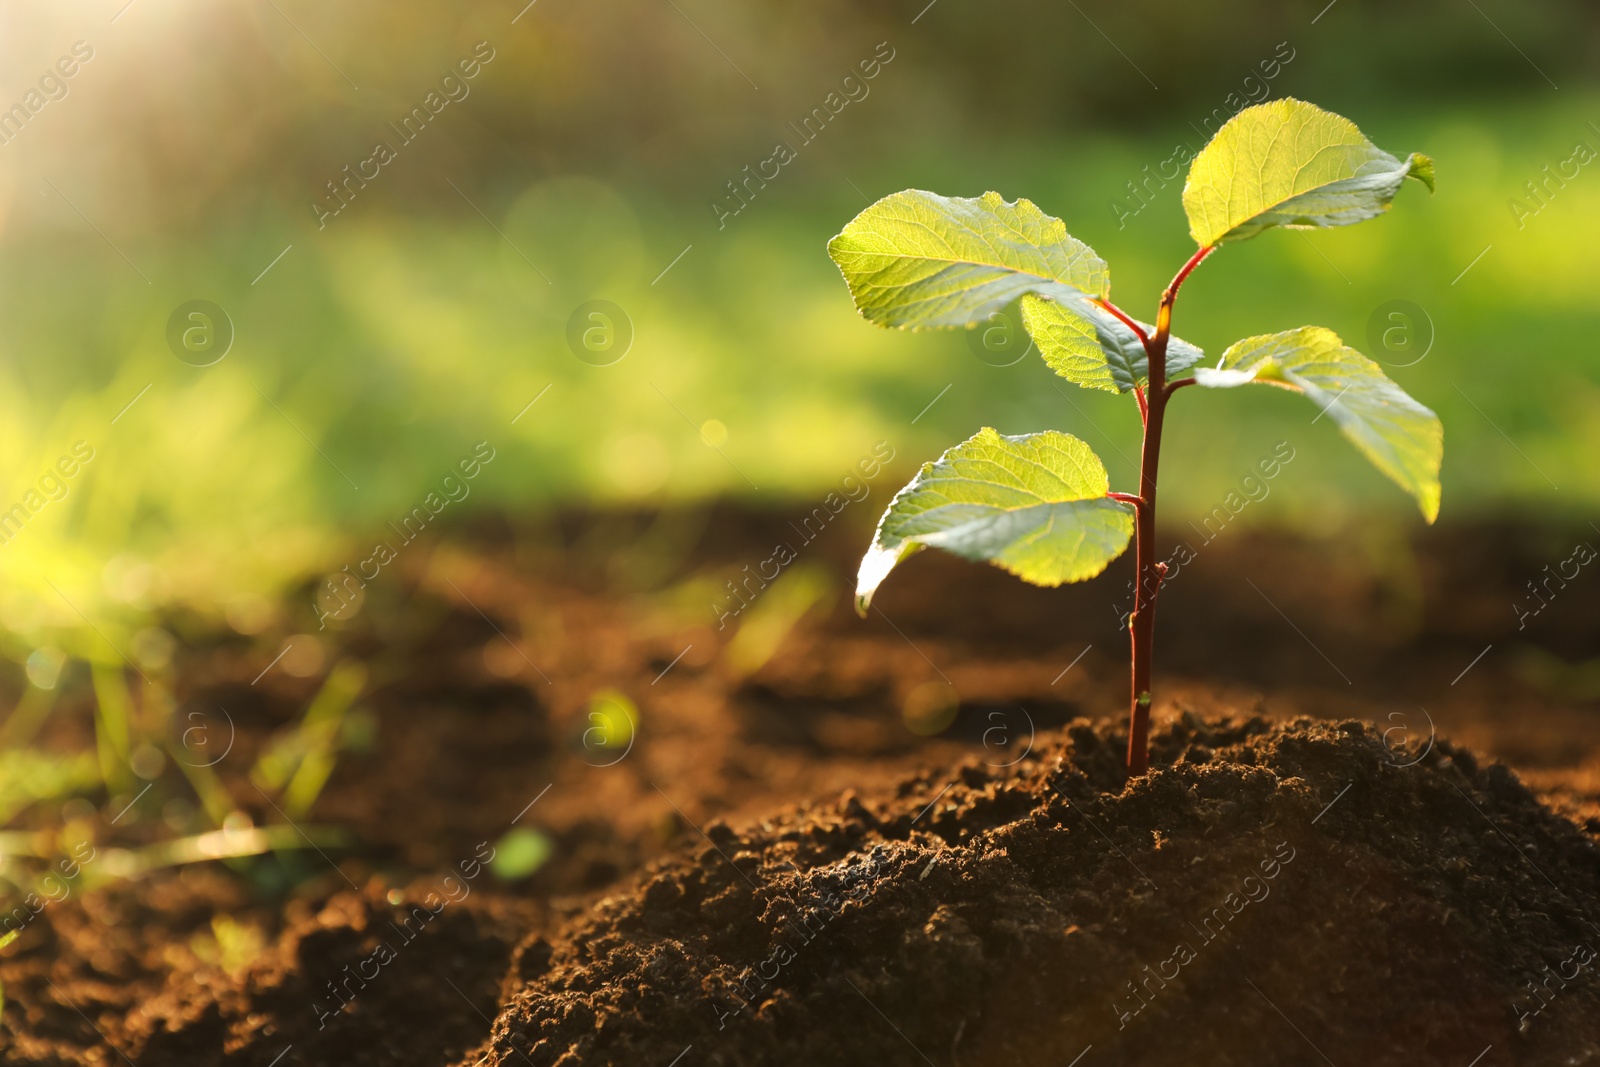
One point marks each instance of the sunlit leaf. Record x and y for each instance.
(917, 260)
(1289, 163)
(1097, 350)
(1402, 438)
(1034, 505)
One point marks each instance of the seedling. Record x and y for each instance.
(1039, 505)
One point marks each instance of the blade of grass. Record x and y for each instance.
(319, 736)
(4, 941)
(235, 844)
(113, 733)
(30, 713)
(214, 796)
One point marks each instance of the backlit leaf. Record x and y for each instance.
(917, 260)
(1094, 349)
(1402, 438)
(1289, 163)
(1034, 504)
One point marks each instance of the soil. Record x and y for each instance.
(775, 868)
(1270, 894)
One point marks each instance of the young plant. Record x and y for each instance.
(1039, 505)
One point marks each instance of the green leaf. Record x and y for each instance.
(1097, 351)
(1402, 438)
(917, 260)
(1034, 505)
(1289, 163)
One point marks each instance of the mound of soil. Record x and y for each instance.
(1269, 894)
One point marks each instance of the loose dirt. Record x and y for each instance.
(774, 868)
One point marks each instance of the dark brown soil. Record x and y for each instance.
(1412, 915)
(1267, 895)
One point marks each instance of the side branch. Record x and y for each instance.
(1183, 273)
(1138, 330)
(1170, 295)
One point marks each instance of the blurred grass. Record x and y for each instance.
(376, 353)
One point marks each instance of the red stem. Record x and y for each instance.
(1127, 498)
(1148, 570)
(1183, 272)
(1142, 620)
(1127, 321)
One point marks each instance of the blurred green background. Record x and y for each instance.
(372, 351)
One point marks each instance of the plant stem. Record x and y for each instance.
(1125, 319)
(1149, 571)
(1142, 621)
(1194, 261)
